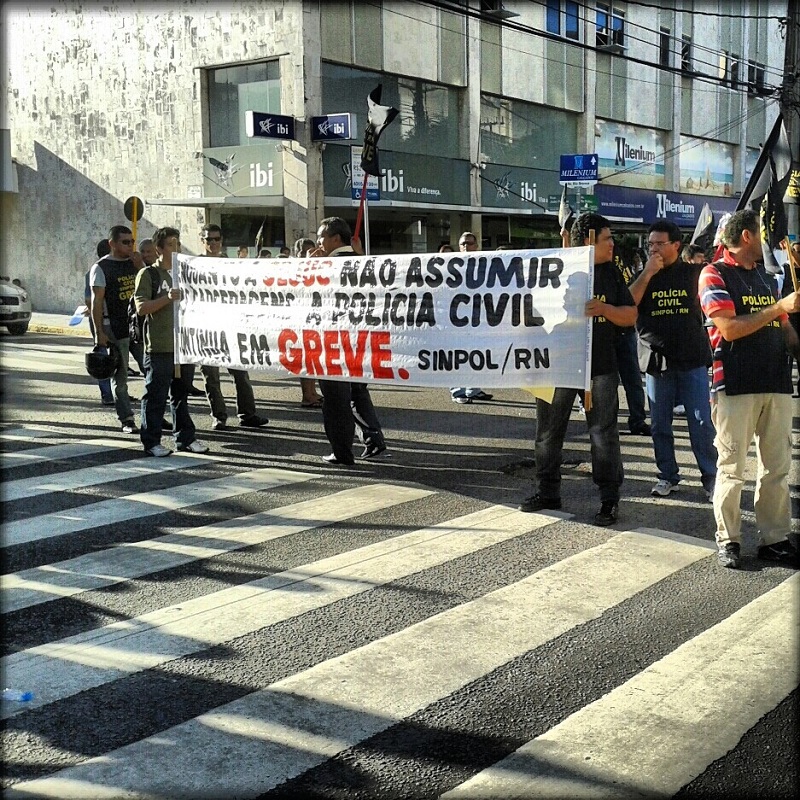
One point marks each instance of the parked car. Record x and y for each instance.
(15, 308)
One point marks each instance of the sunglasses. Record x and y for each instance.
(213, 239)
(128, 242)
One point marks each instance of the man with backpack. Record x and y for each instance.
(154, 296)
(112, 280)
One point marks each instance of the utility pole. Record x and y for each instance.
(790, 98)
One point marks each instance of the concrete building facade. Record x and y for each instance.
(107, 101)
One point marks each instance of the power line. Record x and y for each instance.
(716, 81)
(444, 5)
(656, 33)
(695, 12)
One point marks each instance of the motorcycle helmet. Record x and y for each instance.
(102, 362)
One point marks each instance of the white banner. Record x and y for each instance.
(489, 319)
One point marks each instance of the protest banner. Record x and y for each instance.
(490, 319)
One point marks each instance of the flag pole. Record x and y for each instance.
(357, 230)
(793, 265)
(366, 224)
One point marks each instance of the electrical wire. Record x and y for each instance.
(519, 27)
(712, 65)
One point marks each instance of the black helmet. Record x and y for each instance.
(102, 363)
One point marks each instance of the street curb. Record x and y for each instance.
(38, 327)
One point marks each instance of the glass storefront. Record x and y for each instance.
(429, 119)
(234, 90)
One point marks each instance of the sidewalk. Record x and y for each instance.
(57, 323)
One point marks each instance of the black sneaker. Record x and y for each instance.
(253, 421)
(642, 429)
(373, 450)
(538, 503)
(728, 555)
(780, 553)
(607, 515)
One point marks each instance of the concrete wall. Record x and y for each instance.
(103, 101)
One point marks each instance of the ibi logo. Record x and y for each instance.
(260, 177)
(392, 183)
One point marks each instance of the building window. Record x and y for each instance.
(428, 123)
(553, 20)
(234, 90)
(755, 78)
(723, 67)
(572, 27)
(734, 69)
(610, 26)
(664, 40)
(563, 17)
(686, 54)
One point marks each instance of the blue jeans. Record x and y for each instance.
(119, 381)
(160, 385)
(552, 420)
(690, 388)
(631, 376)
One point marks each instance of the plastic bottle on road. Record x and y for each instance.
(17, 696)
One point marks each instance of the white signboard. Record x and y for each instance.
(357, 178)
(501, 318)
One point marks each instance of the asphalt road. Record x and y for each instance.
(256, 623)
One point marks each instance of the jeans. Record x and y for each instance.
(245, 401)
(738, 419)
(552, 420)
(690, 388)
(160, 384)
(119, 381)
(631, 377)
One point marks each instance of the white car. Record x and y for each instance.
(15, 308)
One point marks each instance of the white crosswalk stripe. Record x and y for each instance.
(650, 734)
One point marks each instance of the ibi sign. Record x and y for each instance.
(268, 126)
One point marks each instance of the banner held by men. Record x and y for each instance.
(506, 319)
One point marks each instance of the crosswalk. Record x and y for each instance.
(194, 629)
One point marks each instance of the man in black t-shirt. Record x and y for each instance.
(671, 328)
(610, 307)
(112, 280)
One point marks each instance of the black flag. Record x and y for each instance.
(378, 117)
(566, 216)
(765, 190)
(704, 229)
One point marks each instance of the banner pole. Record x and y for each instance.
(793, 265)
(366, 226)
(357, 230)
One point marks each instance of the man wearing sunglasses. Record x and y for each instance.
(112, 280)
(211, 237)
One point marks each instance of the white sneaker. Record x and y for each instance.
(159, 451)
(194, 447)
(664, 488)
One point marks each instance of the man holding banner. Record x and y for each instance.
(611, 307)
(346, 403)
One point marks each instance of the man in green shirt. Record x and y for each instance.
(154, 296)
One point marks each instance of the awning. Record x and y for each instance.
(271, 201)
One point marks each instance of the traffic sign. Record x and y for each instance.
(332, 127)
(579, 169)
(268, 126)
